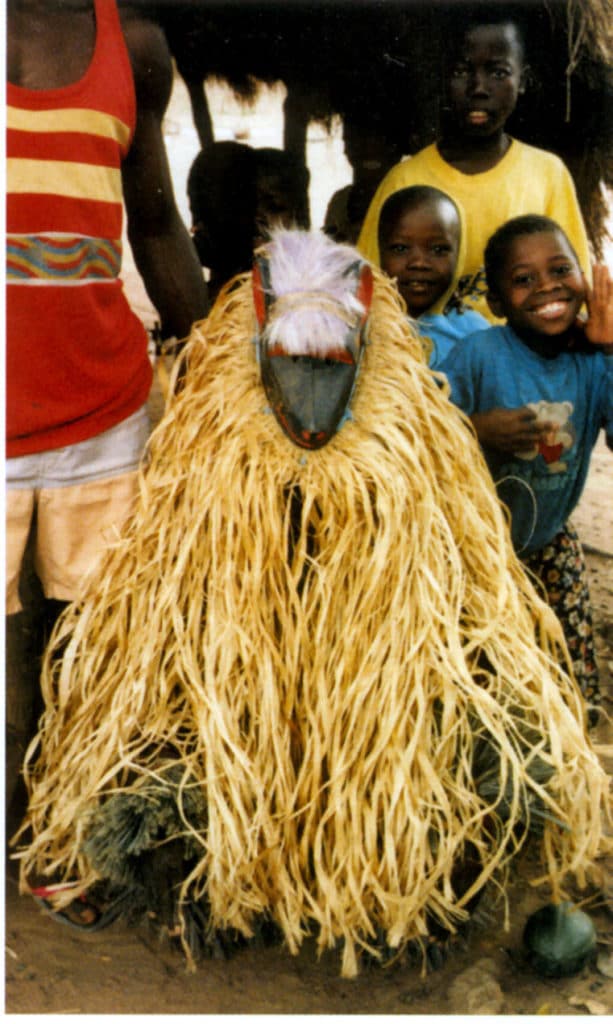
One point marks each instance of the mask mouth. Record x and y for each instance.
(310, 340)
(309, 396)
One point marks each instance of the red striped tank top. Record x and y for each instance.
(77, 359)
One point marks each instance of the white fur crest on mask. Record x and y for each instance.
(314, 276)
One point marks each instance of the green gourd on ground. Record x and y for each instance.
(560, 940)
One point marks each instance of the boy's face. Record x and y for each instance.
(486, 79)
(421, 251)
(370, 153)
(541, 287)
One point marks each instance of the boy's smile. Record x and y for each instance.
(486, 79)
(540, 287)
(421, 251)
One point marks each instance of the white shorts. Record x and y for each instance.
(81, 495)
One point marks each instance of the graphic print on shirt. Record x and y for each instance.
(559, 439)
(472, 286)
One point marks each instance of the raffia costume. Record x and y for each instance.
(324, 674)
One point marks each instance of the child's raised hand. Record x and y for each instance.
(599, 299)
(509, 430)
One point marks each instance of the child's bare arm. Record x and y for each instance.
(599, 324)
(509, 430)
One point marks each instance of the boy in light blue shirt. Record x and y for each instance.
(421, 244)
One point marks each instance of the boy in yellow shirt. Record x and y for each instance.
(491, 175)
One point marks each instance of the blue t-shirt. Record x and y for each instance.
(445, 329)
(493, 369)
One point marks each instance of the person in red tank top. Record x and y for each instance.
(87, 89)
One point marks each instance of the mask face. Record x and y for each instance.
(309, 393)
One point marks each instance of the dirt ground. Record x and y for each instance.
(51, 969)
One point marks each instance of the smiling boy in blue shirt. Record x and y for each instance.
(538, 391)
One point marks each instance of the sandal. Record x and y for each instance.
(82, 914)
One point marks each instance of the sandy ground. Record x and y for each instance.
(51, 969)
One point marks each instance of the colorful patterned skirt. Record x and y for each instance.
(561, 568)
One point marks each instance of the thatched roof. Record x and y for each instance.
(381, 59)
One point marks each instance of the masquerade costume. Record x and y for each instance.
(321, 673)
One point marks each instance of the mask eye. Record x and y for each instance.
(365, 290)
(331, 358)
